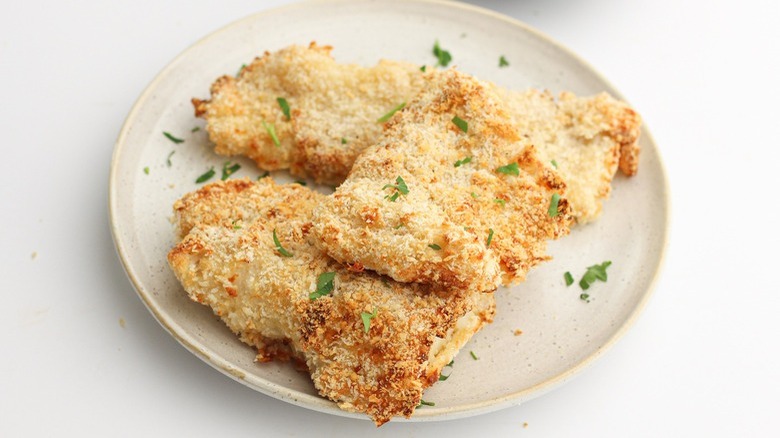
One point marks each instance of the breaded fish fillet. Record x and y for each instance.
(333, 109)
(372, 345)
(587, 136)
(451, 194)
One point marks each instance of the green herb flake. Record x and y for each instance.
(284, 106)
(301, 182)
(235, 225)
(243, 66)
(206, 176)
(264, 174)
(422, 68)
(228, 170)
(502, 62)
(172, 138)
(398, 226)
(387, 116)
(568, 278)
(460, 123)
(509, 169)
(442, 55)
(168, 159)
(367, 317)
(434, 247)
(279, 248)
(324, 285)
(269, 127)
(585, 297)
(489, 238)
(500, 201)
(474, 195)
(426, 403)
(473, 356)
(452, 362)
(146, 170)
(554, 163)
(553, 210)
(195, 129)
(400, 187)
(593, 273)
(463, 161)
(442, 377)
(343, 140)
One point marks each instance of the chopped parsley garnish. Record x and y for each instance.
(502, 62)
(463, 161)
(460, 123)
(595, 272)
(442, 377)
(500, 201)
(195, 129)
(473, 356)
(434, 247)
(235, 225)
(324, 285)
(172, 138)
(228, 170)
(243, 66)
(269, 127)
(301, 182)
(146, 170)
(387, 116)
(422, 68)
(168, 160)
(400, 188)
(367, 317)
(279, 248)
(398, 226)
(585, 297)
(490, 237)
(343, 140)
(284, 106)
(509, 169)
(265, 174)
(426, 403)
(553, 210)
(452, 362)
(568, 278)
(206, 176)
(554, 163)
(442, 55)
(474, 195)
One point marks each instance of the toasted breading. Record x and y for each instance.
(334, 110)
(227, 260)
(438, 232)
(589, 138)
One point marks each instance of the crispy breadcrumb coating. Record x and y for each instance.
(333, 107)
(227, 260)
(463, 226)
(589, 137)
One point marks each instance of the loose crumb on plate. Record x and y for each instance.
(518, 332)
(34, 255)
(122, 322)
(525, 425)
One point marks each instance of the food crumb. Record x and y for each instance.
(122, 322)
(34, 255)
(518, 332)
(525, 425)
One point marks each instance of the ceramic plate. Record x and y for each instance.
(561, 334)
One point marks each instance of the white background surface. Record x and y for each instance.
(703, 359)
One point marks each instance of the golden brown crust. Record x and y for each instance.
(227, 260)
(588, 138)
(328, 101)
(438, 232)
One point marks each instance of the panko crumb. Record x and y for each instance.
(517, 332)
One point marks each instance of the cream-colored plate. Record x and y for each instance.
(560, 333)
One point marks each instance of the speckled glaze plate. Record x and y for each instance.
(561, 334)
